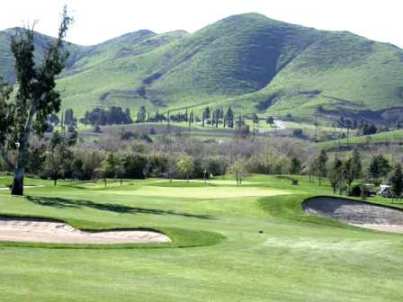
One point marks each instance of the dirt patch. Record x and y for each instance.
(42, 231)
(357, 213)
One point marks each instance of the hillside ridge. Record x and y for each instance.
(248, 61)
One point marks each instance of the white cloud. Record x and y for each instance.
(98, 20)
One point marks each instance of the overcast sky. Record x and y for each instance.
(99, 20)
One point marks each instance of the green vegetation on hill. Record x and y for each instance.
(248, 61)
(389, 137)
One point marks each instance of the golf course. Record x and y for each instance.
(228, 242)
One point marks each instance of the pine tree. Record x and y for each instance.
(356, 164)
(229, 118)
(141, 115)
(321, 168)
(397, 181)
(379, 167)
(206, 115)
(335, 175)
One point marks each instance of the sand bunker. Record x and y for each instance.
(31, 230)
(357, 213)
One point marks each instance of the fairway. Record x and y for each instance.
(255, 235)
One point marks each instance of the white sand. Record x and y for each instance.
(393, 228)
(26, 230)
(359, 214)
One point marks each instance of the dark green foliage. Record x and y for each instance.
(111, 116)
(134, 166)
(270, 120)
(336, 175)
(320, 165)
(397, 181)
(295, 166)
(379, 167)
(69, 118)
(229, 118)
(141, 115)
(368, 129)
(356, 165)
(206, 115)
(298, 133)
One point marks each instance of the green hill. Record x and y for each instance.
(249, 61)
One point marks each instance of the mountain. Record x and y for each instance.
(249, 61)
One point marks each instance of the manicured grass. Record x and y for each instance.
(249, 248)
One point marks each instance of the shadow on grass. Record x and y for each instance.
(109, 207)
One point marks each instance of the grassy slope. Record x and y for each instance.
(246, 61)
(111, 73)
(40, 41)
(297, 258)
(394, 137)
(340, 71)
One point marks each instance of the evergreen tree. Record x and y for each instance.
(229, 118)
(255, 120)
(295, 166)
(270, 120)
(69, 118)
(141, 115)
(379, 167)
(335, 175)
(321, 168)
(397, 181)
(356, 164)
(206, 115)
(59, 157)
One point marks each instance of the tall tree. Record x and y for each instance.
(295, 166)
(142, 115)
(238, 169)
(229, 118)
(379, 167)
(397, 181)
(59, 156)
(356, 164)
(255, 120)
(36, 97)
(206, 115)
(335, 176)
(185, 166)
(69, 118)
(321, 168)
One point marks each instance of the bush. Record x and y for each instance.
(134, 166)
(355, 191)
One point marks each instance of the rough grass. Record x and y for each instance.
(272, 251)
(388, 137)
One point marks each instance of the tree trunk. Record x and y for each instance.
(18, 183)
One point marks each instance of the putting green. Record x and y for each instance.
(202, 192)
